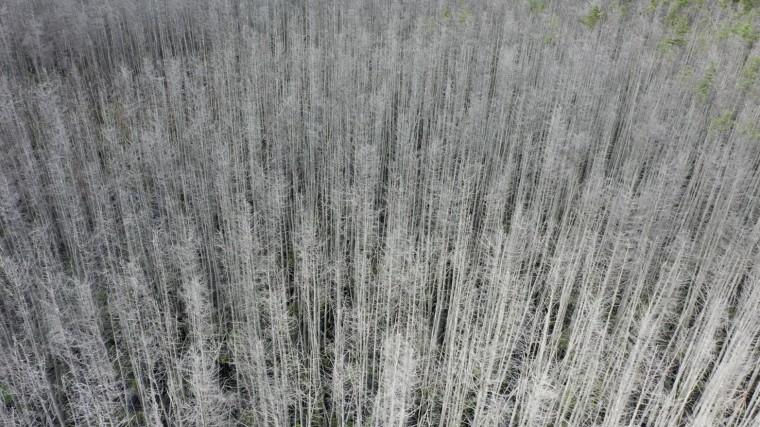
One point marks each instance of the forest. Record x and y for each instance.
(540, 213)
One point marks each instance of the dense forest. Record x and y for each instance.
(379, 213)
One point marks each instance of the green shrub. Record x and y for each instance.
(750, 130)
(723, 123)
(705, 85)
(6, 396)
(745, 32)
(592, 17)
(535, 6)
(750, 73)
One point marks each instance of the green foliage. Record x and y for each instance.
(247, 419)
(463, 13)
(476, 373)
(562, 344)
(592, 17)
(101, 297)
(680, 27)
(744, 5)
(723, 123)
(675, 12)
(132, 383)
(571, 400)
(686, 72)
(748, 5)
(745, 32)
(618, 7)
(536, 6)
(327, 362)
(671, 42)
(553, 25)
(705, 85)
(507, 225)
(460, 11)
(652, 6)
(552, 32)
(750, 130)
(741, 23)
(7, 396)
(750, 73)
(431, 25)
